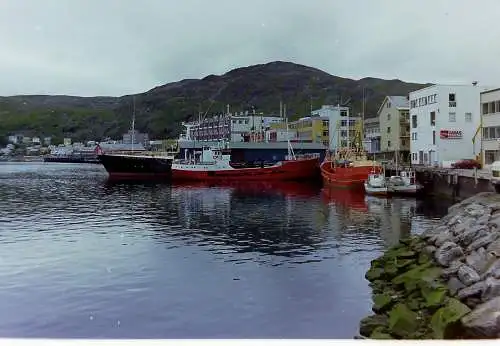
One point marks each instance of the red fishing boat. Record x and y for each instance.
(211, 164)
(348, 166)
(348, 169)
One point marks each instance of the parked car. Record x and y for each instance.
(466, 164)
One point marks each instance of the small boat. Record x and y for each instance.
(376, 184)
(404, 184)
(214, 163)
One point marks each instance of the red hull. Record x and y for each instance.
(346, 177)
(289, 170)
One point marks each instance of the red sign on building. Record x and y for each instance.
(450, 134)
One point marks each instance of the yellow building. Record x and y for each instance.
(312, 129)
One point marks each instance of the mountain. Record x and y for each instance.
(161, 110)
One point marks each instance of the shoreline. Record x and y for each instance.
(443, 284)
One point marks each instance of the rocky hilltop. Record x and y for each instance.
(443, 284)
(160, 110)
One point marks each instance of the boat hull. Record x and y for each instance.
(412, 190)
(303, 169)
(375, 191)
(346, 177)
(132, 167)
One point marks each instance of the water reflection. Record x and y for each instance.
(259, 260)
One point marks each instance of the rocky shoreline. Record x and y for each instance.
(444, 284)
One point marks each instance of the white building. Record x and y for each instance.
(443, 121)
(372, 135)
(490, 113)
(341, 126)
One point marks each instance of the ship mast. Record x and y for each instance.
(291, 154)
(133, 123)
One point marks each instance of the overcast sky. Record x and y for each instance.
(115, 47)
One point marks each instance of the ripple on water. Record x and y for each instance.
(82, 257)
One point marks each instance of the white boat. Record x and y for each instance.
(404, 183)
(376, 184)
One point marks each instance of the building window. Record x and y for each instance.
(388, 144)
(452, 100)
(433, 118)
(388, 117)
(433, 137)
(468, 117)
(413, 136)
(414, 121)
(389, 129)
(343, 123)
(403, 142)
(388, 105)
(489, 156)
(325, 133)
(485, 108)
(452, 117)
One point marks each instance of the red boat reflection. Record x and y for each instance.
(287, 188)
(352, 199)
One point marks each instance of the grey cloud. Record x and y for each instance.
(115, 47)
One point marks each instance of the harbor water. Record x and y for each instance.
(85, 258)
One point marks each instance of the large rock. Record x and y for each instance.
(445, 317)
(484, 321)
(483, 241)
(468, 236)
(472, 291)
(402, 321)
(370, 323)
(478, 260)
(492, 268)
(468, 275)
(447, 253)
(491, 289)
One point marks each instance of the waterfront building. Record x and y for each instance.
(372, 135)
(443, 121)
(490, 115)
(342, 126)
(394, 125)
(233, 127)
(312, 129)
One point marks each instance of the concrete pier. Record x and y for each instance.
(456, 184)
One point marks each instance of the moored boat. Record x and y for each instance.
(376, 184)
(132, 166)
(135, 165)
(404, 183)
(348, 168)
(214, 163)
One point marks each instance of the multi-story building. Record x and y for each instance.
(444, 119)
(313, 129)
(372, 135)
(237, 127)
(394, 122)
(342, 126)
(490, 137)
(135, 136)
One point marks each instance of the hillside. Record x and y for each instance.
(160, 111)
